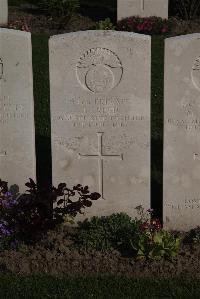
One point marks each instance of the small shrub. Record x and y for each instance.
(105, 25)
(28, 216)
(193, 236)
(151, 241)
(148, 25)
(19, 24)
(156, 245)
(63, 9)
(106, 232)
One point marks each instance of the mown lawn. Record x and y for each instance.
(111, 4)
(41, 287)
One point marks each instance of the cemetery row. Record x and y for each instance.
(100, 118)
(125, 8)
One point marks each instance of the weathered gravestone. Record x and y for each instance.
(3, 12)
(100, 107)
(182, 132)
(142, 8)
(17, 138)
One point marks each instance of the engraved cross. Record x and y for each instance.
(1, 68)
(142, 4)
(100, 157)
(3, 154)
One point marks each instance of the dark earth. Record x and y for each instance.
(38, 22)
(56, 255)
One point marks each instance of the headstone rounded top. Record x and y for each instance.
(189, 37)
(15, 32)
(100, 33)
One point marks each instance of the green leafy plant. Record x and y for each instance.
(105, 25)
(106, 232)
(151, 241)
(64, 9)
(158, 245)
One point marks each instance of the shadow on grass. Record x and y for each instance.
(99, 10)
(157, 111)
(42, 108)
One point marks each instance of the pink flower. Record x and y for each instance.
(164, 29)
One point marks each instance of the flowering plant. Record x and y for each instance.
(19, 25)
(148, 25)
(151, 241)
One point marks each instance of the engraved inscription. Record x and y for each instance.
(189, 203)
(99, 70)
(99, 113)
(101, 157)
(188, 125)
(9, 110)
(196, 156)
(71, 143)
(196, 73)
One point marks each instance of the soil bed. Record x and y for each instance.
(56, 255)
(37, 22)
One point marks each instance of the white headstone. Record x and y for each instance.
(3, 12)
(17, 137)
(142, 8)
(100, 107)
(182, 132)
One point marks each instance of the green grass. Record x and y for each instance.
(109, 4)
(42, 106)
(105, 3)
(157, 84)
(41, 287)
(16, 2)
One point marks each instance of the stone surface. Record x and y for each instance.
(142, 8)
(100, 108)
(182, 132)
(17, 137)
(3, 12)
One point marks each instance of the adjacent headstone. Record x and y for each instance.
(3, 12)
(142, 8)
(17, 137)
(182, 133)
(100, 107)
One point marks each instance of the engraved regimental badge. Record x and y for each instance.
(99, 70)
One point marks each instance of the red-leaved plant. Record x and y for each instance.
(28, 216)
(151, 241)
(148, 25)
